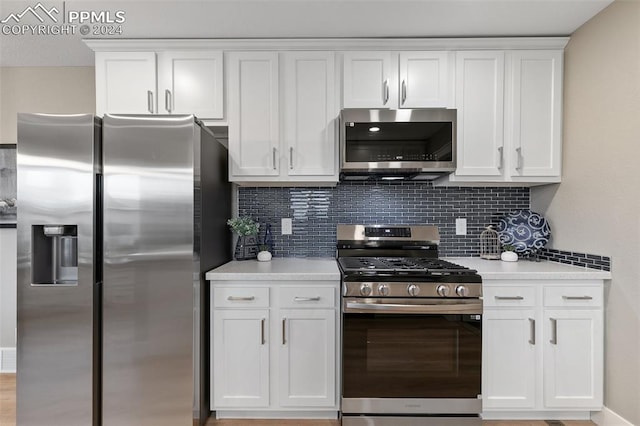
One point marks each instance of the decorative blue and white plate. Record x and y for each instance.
(523, 229)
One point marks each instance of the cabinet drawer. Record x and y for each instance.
(560, 296)
(509, 296)
(307, 297)
(239, 297)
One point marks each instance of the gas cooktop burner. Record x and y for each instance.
(402, 265)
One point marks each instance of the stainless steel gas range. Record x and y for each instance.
(412, 330)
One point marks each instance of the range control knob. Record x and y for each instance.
(443, 290)
(383, 290)
(413, 289)
(365, 289)
(462, 291)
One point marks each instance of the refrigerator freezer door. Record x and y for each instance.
(148, 314)
(57, 322)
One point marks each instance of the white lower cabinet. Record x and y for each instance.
(542, 349)
(274, 349)
(306, 355)
(242, 371)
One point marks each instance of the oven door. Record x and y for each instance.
(398, 350)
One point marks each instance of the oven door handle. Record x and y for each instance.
(394, 308)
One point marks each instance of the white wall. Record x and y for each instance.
(596, 209)
(43, 89)
(33, 89)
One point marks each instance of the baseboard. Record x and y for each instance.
(607, 417)
(7, 360)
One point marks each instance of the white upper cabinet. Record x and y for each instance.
(424, 79)
(534, 111)
(180, 82)
(282, 114)
(509, 117)
(368, 80)
(282, 98)
(310, 112)
(126, 83)
(191, 83)
(480, 103)
(254, 117)
(395, 80)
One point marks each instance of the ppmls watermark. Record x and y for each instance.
(42, 20)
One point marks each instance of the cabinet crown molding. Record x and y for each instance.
(331, 44)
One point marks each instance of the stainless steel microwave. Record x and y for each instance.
(397, 144)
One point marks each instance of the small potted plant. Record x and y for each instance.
(247, 230)
(509, 253)
(264, 255)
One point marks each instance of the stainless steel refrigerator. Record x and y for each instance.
(119, 219)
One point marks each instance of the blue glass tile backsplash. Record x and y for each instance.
(316, 212)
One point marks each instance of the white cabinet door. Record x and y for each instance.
(424, 79)
(254, 139)
(191, 82)
(480, 104)
(307, 361)
(509, 359)
(369, 80)
(573, 358)
(310, 111)
(240, 358)
(126, 83)
(534, 112)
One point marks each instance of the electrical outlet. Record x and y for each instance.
(461, 226)
(287, 226)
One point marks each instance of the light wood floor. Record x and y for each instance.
(8, 414)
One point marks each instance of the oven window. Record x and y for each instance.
(411, 356)
(399, 142)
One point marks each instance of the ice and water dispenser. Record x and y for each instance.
(55, 255)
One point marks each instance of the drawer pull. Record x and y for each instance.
(306, 299)
(241, 298)
(532, 331)
(509, 298)
(554, 331)
(577, 297)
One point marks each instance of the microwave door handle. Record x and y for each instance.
(393, 308)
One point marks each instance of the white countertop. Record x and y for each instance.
(528, 270)
(279, 268)
(321, 269)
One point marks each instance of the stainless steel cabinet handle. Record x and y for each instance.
(385, 91)
(284, 327)
(509, 298)
(274, 159)
(167, 100)
(306, 299)
(291, 157)
(554, 331)
(150, 101)
(519, 154)
(404, 91)
(262, 339)
(532, 331)
(501, 158)
(237, 298)
(577, 297)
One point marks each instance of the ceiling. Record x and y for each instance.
(293, 18)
